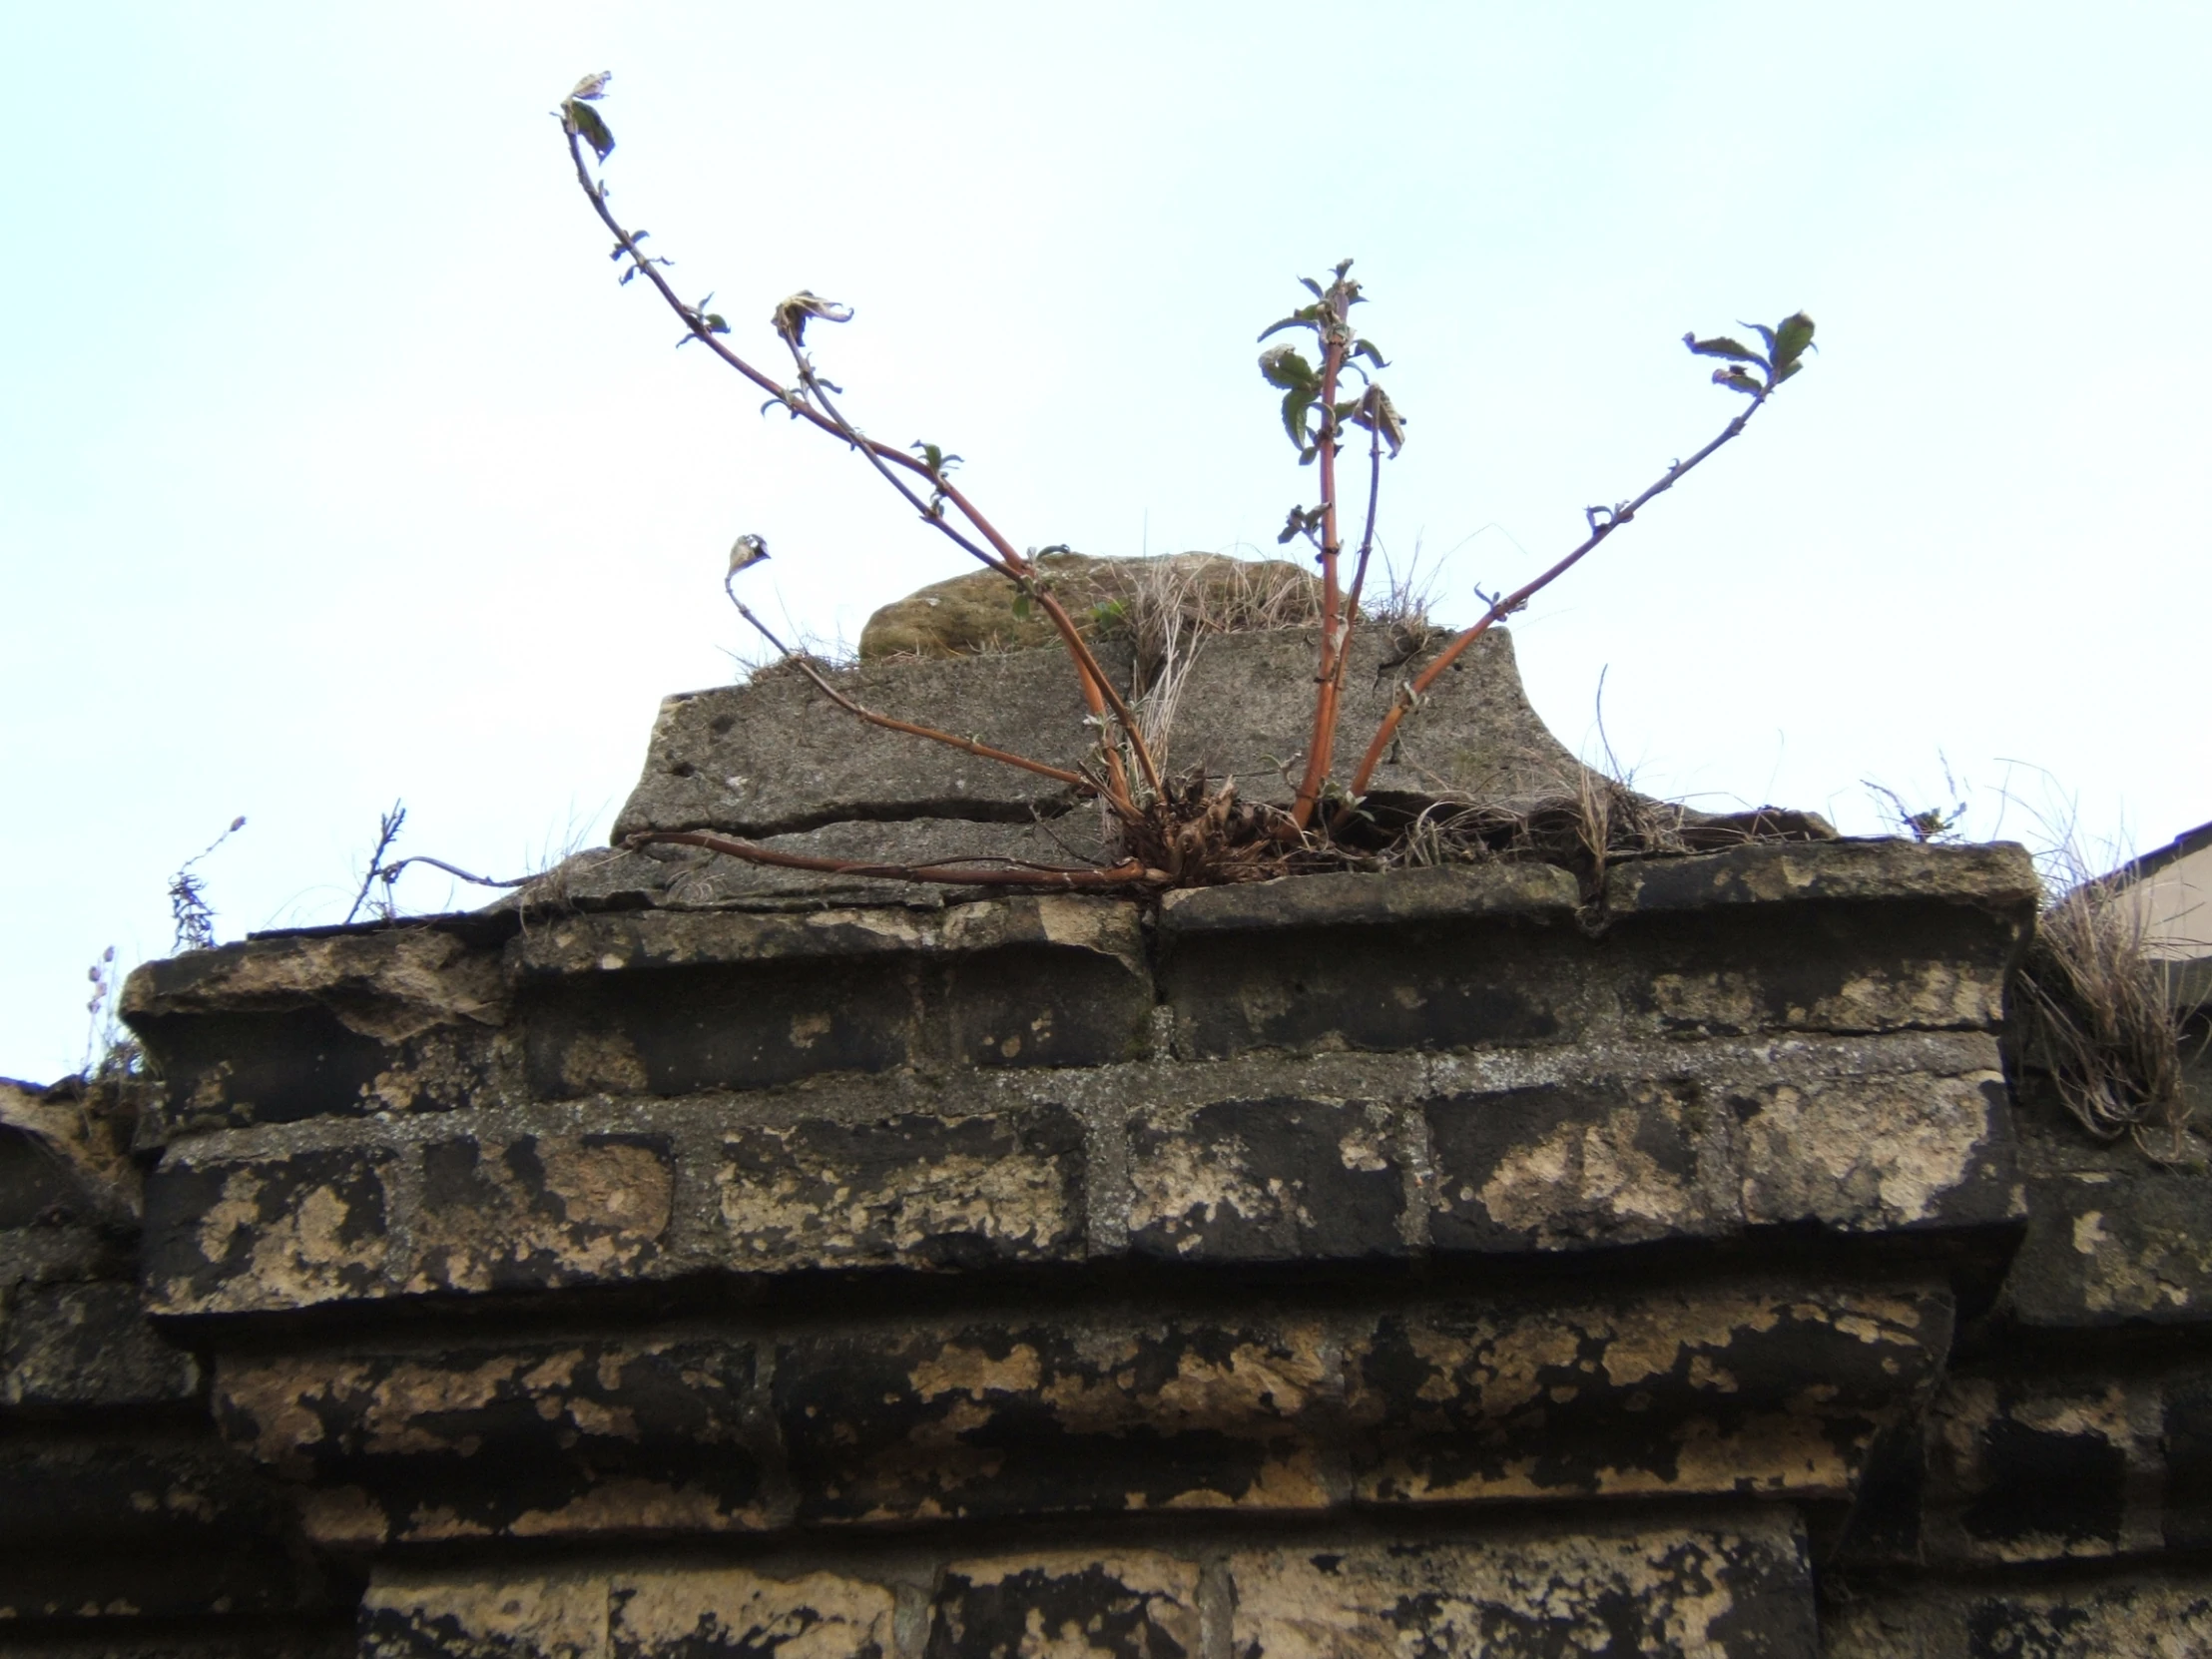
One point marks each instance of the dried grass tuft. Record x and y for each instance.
(2095, 1015)
(1172, 604)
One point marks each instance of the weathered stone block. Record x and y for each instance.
(522, 1440)
(1817, 968)
(1678, 1391)
(325, 1634)
(1999, 878)
(1038, 1417)
(2106, 1250)
(1580, 1165)
(670, 1004)
(913, 1191)
(1414, 959)
(1741, 1589)
(484, 1616)
(232, 1235)
(2037, 1469)
(34, 1184)
(62, 1253)
(1490, 955)
(774, 754)
(2184, 1431)
(88, 1345)
(1123, 1604)
(279, 1029)
(677, 877)
(1462, 894)
(747, 1615)
(94, 1597)
(1880, 1152)
(160, 1525)
(2154, 1616)
(541, 1211)
(1280, 1178)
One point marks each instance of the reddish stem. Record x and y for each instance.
(1411, 695)
(1098, 688)
(1322, 740)
(1359, 575)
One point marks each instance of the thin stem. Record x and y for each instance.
(947, 872)
(1333, 690)
(967, 746)
(1409, 695)
(881, 452)
(1098, 688)
(388, 830)
(391, 872)
(1323, 741)
(1366, 536)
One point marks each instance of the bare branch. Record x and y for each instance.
(1603, 522)
(388, 830)
(1098, 688)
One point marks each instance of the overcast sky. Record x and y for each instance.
(338, 469)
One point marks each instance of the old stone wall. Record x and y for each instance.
(1470, 1260)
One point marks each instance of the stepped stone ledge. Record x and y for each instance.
(1460, 1261)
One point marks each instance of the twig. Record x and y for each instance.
(188, 898)
(387, 832)
(1098, 688)
(1017, 569)
(1409, 695)
(391, 872)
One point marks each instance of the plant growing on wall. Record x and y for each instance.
(1182, 831)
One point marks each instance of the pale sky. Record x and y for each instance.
(337, 468)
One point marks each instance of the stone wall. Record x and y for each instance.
(1471, 1260)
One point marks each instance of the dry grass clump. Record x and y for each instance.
(1168, 606)
(2097, 1017)
(1600, 824)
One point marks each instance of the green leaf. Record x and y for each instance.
(1367, 348)
(1283, 366)
(1720, 345)
(592, 86)
(1296, 404)
(1735, 380)
(714, 322)
(1792, 337)
(582, 120)
(1763, 331)
(1313, 287)
(1021, 607)
(1785, 371)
